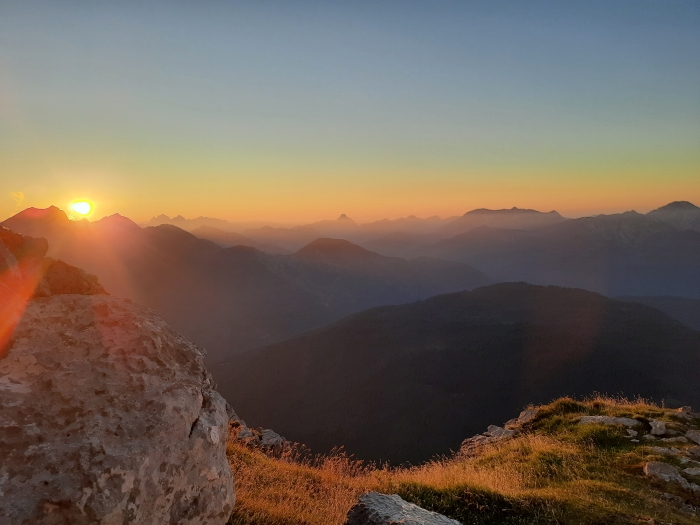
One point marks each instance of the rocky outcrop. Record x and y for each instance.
(658, 428)
(59, 278)
(665, 473)
(266, 440)
(374, 508)
(108, 416)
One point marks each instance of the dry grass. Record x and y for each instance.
(554, 472)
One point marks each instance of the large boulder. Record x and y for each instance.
(374, 508)
(108, 416)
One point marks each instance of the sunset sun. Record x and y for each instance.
(81, 207)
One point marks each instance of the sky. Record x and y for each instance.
(299, 111)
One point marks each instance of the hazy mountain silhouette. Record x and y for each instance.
(232, 299)
(346, 228)
(623, 254)
(411, 224)
(410, 381)
(682, 215)
(192, 224)
(514, 218)
(413, 242)
(227, 239)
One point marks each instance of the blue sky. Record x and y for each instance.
(305, 110)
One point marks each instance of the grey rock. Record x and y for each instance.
(272, 441)
(692, 471)
(679, 439)
(109, 416)
(648, 437)
(693, 452)
(374, 508)
(658, 428)
(609, 420)
(665, 451)
(494, 434)
(693, 435)
(526, 416)
(498, 432)
(663, 472)
(632, 433)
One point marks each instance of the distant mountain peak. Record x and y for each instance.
(343, 217)
(52, 213)
(117, 220)
(679, 206)
(327, 247)
(507, 211)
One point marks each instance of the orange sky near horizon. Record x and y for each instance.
(251, 111)
(299, 200)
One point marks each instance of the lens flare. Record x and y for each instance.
(81, 207)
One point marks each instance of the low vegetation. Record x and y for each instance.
(554, 471)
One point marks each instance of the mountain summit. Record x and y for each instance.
(682, 215)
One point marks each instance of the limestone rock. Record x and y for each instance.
(693, 435)
(663, 472)
(692, 471)
(494, 434)
(108, 416)
(662, 451)
(272, 441)
(61, 278)
(526, 416)
(658, 428)
(498, 432)
(609, 420)
(374, 508)
(679, 439)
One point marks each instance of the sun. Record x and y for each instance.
(81, 207)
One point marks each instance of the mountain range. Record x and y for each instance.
(232, 292)
(403, 383)
(233, 299)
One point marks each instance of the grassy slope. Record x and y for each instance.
(554, 472)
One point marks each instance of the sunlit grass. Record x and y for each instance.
(555, 472)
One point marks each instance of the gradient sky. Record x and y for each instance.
(297, 111)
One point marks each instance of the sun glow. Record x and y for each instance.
(81, 207)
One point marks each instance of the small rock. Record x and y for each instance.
(692, 471)
(609, 420)
(632, 433)
(679, 439)
(245, 433)
(693, 435)
(634, 441)
(670, 432)
(374, 508)
(685, 410)
(272, 441)
(648, 437)
(498, 432)
(528, 415)
(665, 451)
(658, 428)
(663, 472)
